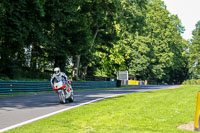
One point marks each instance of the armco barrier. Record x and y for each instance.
(8, 87)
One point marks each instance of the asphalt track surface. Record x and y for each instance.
(19, 110)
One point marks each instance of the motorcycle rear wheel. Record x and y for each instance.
(71, 99)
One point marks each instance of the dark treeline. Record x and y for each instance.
(92, 38)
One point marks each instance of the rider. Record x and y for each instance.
(58, 76)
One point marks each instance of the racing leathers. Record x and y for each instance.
(61, 77)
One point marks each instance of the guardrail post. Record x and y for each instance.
(11, 88)
(196, 120)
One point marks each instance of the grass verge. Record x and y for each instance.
(157, 111)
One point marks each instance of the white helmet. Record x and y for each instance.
(57, 71)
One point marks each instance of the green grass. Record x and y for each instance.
(157, 111)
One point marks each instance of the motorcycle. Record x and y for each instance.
(65, 92)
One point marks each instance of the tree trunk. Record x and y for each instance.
(84, 72)
(95, 35)
(75, 72)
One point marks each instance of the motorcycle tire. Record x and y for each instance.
(71, 99)
(61, 96)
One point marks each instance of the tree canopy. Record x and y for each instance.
(194, 53)
(93, 38)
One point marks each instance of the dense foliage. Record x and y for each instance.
(95, 38)
(194, 53)
(192, 82)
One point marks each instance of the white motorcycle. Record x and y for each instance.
(65, 92)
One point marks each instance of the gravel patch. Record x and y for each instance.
(189, 126)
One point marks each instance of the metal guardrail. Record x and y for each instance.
(12, 87)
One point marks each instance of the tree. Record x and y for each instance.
(194, 52)
(113, 50)
(157, 52)
(16, 23)
(99, 37)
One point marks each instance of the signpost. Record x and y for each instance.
(123, 76)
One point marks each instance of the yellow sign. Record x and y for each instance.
(133, 82)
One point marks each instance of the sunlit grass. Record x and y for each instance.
(157, 111)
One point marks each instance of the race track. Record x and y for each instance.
(19, 110)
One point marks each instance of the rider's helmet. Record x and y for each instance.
(57, 71)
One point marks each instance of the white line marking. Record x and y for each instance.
(56, 112)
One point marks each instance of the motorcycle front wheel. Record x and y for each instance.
(61, 95)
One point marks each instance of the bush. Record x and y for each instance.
(4, 77)
(192, 82)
